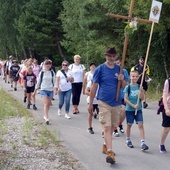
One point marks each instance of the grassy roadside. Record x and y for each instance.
(31, 138)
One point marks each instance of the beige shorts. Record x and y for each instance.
(108, 115)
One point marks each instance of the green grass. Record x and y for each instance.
(10, 106)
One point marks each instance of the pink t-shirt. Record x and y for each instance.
(166, 89)
(36, 70)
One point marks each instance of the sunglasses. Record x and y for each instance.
(47, 63)
(65, 65)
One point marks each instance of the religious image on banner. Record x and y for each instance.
(155, 11)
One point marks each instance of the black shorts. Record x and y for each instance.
(165, 120)
(30, 89)
(144, 85)
(95, 107)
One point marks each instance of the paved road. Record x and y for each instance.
(87, 148)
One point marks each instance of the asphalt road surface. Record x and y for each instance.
(87, 147)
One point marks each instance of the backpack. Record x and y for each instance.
(129, 89)
(160, 102)
(42, 74)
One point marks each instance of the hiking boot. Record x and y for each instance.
(115, 133)
(104, 149)
(110, 157)
(144, 147)
(121, 129)
(28, 106)
(67, 116)
(34, 107)
(145, 105)
(162, 149)
(129, 144)
(90, 130)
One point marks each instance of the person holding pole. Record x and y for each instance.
(140, 67)
(133, 91)
(106, 77)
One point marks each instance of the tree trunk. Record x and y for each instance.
(59, 48)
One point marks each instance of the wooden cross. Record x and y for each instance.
(129, 18)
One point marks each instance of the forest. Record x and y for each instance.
(59, 29)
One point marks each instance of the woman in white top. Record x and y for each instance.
(78, 74)
(46, 82)
(64, 78)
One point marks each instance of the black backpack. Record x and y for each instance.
(160, 102)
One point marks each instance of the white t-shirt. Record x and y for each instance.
(64, 85)
(89, 84)
(78, 72)
(89, 76)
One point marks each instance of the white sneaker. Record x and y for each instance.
(59, 112)
(67, 116)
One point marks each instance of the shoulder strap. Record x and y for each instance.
(128, 89)
(64, 73)
(41, 76)
(52, 74)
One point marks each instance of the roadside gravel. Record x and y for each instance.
(26, 144)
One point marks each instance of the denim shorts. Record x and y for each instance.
(46, 93)
(130, 117)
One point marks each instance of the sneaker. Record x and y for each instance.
(28, 106)
(34, 107)
(148, 80)
(144, 147)
(46, 120)
(25, 99)
(11, 86)
(129, 144)
(162, 148)
(115, 133)
(15, 89)
(90, 130)
(110, 157)
(59, 112)
(145, 105)
(121, 129)
(102, 134)
(67, 116)
(95, 116)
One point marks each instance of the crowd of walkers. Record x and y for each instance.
(100, 84)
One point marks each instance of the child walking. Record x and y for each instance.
(132, 91)
(95, 107)
(29, 82)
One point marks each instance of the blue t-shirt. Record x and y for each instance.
(127, 79)
(107, 78)
(133, 97)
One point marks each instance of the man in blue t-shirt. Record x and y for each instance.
(106, 76)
